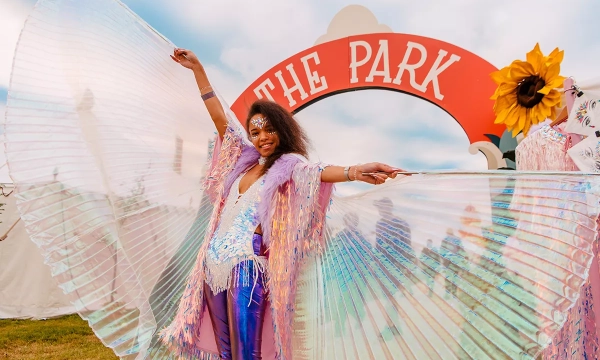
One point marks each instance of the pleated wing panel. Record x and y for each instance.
(448, 267)
(107, 142)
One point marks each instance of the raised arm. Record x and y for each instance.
(188, 59)
(372, 173)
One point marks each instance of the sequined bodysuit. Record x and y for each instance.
(231, 245)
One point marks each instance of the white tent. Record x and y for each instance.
(27, 290)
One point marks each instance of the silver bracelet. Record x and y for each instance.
(346, 173)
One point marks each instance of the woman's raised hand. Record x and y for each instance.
(185, 58)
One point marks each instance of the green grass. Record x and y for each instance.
(65, 338)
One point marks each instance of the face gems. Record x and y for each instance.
(259, 122)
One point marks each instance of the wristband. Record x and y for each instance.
(208, 95)
(346, 170)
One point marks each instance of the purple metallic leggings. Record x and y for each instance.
(236, 320)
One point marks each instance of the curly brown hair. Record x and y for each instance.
(292, 138)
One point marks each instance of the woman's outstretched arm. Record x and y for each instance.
(372, 173)
(189, 60)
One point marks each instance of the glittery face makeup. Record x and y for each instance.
(254, 135)
(582, 115)
(263, 135)
(259, 122)
(585, 116)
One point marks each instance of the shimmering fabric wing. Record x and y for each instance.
(107, 141)
(448, 266)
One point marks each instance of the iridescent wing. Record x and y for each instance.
(106, 141)
(448, 266)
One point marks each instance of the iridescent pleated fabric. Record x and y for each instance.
(578, 339)
(105, 150)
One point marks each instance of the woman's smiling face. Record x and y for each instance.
(263, 135)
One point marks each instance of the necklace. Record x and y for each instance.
(262, 160)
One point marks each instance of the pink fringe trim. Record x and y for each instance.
(296, 231)
(180, 337)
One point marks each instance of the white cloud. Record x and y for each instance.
(12, 17)
(503, 31)
(256, 34)
(375, 132)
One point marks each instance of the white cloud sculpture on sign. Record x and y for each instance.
(353, 20)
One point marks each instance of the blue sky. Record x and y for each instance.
(239, 40)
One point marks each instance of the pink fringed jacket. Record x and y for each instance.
(292, 213)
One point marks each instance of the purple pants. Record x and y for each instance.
(236, 320)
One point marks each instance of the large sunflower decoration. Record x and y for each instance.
(527, 90)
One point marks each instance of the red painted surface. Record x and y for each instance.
(463, 79)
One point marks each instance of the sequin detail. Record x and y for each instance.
(231, 245)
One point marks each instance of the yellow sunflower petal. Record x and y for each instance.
(506, 101)
(506, 116)
(543, 110)
(537, 115)
(536, 58)
(527, 128)
(553, 72)
(523, 118)
(556, 56)
(512, 117)
(505, 89)
(552, 86)
(545, 90)
(552, 113)
(551, 99)
(521, 69)
(554, 53)
(501, 75)
(501, 117)
(557, 82)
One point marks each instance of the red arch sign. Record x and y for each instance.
(452, 78)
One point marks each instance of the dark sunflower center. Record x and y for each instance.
(527, 91)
